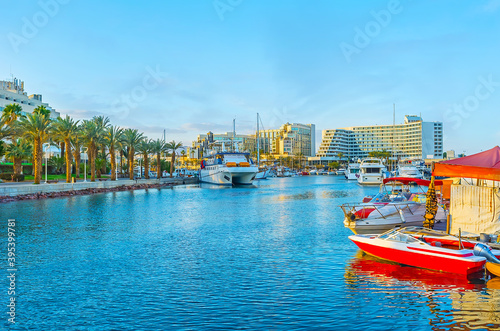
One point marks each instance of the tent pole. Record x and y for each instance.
(448, 223)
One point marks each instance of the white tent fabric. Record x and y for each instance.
(475, 209)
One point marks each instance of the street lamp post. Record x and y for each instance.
(45, 149)
(85, 166)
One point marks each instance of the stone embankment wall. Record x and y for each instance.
(10, 190)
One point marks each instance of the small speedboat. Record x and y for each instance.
(428, 249)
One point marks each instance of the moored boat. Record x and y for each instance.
(428, 249)
(352, 171)
(228, 168)
(371, 172)
(408, 169)
(398, 203)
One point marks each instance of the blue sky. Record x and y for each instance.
(192, 66)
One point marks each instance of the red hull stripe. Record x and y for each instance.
(440, 253)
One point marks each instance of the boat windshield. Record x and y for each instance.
(399, 236)
(383, 197)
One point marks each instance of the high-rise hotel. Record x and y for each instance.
(414, 139)
(12, 92)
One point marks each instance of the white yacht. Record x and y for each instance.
(407, 169)
(371, 172)
(263, 173)
(228, 168)
(352, 171)
(340, 171)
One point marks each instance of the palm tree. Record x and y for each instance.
(41, 110)
(65, 129)
(99, 164)
(5, 131)
(159, 146)
(91, 133)
(113, 138)
(18, 151)
(77, 141)
(173, 146)
(131, 138)
(340, 155)
(36, 127)
(11, 113)
(102, 123)
(145, 147)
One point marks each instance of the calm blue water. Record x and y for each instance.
(274, 256)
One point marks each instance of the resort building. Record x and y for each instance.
(290, 139)
(228, 141)
(414, 139)
(12, 92)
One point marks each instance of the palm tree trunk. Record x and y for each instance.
(17, 166)
(158, 165)
(121, 160)
(172, 160)
(92, 162)
(103, 168)
(131, 163)
(63, 146)
(77, 162)
(38, 160)
(69, 158)
(113, 161)
(146, 166)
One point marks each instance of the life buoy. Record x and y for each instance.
(203, 164)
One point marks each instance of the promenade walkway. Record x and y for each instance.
(14, 189)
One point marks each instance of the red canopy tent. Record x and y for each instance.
(484, 165)
(407, 180)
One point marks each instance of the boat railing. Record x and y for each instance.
(351, 210)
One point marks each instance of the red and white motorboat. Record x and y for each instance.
(400, 202)
(428, 249)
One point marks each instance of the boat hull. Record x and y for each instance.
(440, 259)
(370, 179)
(262, 174)
(493, 268)
(219, 177)
(242, 176)
(351, 176)
(376, 223)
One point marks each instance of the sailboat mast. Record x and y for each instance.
(258, 141)
(234, 134)
(393, 129)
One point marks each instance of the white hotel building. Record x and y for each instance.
(12, 92)
(414, 139)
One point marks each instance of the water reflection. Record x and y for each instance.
(455, 302)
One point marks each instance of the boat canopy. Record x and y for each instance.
(484, 165)
(409, 180)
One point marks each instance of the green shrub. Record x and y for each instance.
(11, 176)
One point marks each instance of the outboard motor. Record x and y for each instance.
(484, 251)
